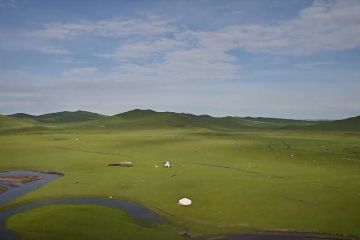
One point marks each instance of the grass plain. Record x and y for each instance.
(242, 174)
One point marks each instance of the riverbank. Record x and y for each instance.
(2, 189)
(21, 182)
(17, 180)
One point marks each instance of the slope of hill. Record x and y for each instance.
(137, 113)
(150, 118)
(10, 122)
(11, 125)
(283, 121)
(23, 115)
(61, 117)
(348, 124)
(66, 116)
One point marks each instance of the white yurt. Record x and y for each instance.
(185, 202)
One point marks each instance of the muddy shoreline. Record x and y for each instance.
(34, 171)
(17, 180)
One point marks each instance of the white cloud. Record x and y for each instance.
(21, 40)
(80, 72)
(42, 39)
(152, 26)
(51, 50)
(174, 61)
(205, 55)
(145, 50)
(180, 67)
(313, 65)
(66, 60)
(325, 26)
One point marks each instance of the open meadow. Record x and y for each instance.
(260, 176)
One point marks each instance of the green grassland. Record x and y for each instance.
(84, 221)
(242, 174)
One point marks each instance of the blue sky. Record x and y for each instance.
(293, 59)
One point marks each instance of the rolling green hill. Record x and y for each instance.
(283, 121)
(172, 119)
(23, 115)
(11, 123)
(348, 124)
(149, 119)
(61, 117)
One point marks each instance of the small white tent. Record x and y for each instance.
(185, 202)
(167, 164)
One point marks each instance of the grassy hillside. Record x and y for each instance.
(12, 125)
(149, 119)
(282, 121)
(172, 119)
(61, 117)
(23, 116)
(8, 122)
(349, 124)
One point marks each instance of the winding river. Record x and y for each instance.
(137, 211)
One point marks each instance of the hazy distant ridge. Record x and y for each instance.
(151, 119)
(61, 117)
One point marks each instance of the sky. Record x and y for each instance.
(271, 58)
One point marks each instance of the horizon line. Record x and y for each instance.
(148, 109)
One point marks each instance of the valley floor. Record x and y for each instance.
(238, 181)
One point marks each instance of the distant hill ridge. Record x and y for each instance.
(139, 118)
(61, 117)
(348, 124)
